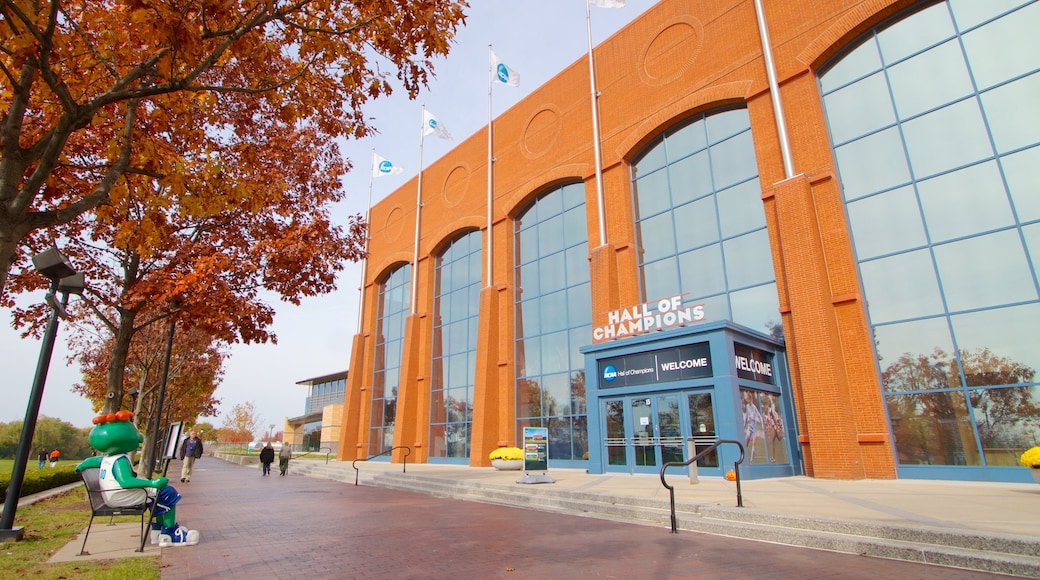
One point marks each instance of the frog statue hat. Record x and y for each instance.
(116, 437)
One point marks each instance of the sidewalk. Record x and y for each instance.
(1001, 508)
(991, 509)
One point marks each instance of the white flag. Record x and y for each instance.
(431, 126)
(381, 167)
(608, 3)
(503, 73)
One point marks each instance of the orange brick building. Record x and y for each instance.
(823, 249)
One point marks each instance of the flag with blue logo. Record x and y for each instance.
(382, 166)
(503, 73)
(431, 126)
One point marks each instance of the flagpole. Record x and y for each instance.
(368, 240)
(491, 159)
(418, 210)
(595, 132)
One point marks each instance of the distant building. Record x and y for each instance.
(319, 426)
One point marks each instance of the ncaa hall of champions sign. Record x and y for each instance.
(692, 361)
(646, 317)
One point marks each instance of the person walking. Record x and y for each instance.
(191, 449)
(266, 459)
(42, 459)
(55, 456)
(283, 458)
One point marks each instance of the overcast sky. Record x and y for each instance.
(535, 38)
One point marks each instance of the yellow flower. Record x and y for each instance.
(511, 453)
(1031, 458)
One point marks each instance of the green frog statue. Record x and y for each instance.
(116, 437)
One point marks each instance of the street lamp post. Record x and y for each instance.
(64, 279)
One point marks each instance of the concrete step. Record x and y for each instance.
(997, 553)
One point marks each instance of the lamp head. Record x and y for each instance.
(52, 264)
(73, 284)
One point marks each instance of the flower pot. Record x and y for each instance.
(1036, 473)
(508, 464)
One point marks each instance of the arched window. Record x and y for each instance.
(553, 319)
(700, 224)
(936, 135)
(393, 310)
(456, 305)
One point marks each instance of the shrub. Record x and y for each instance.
(38, 480)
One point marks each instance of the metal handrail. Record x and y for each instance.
(404, 469)
(736, 472)
(318, 449)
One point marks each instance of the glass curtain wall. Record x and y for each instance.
(456, 306)
(935, 128)
(553, 319)
(386, 379)
(700, 223)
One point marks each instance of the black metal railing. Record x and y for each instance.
(404, 469)
(706, 451)
(327, 450)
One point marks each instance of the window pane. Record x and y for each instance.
(724, 125)
(901, 346)
(859, 108)
(1006, 334)
(902, 286)
(733, 161)
(1012, 113)
(551, 272)
(652, 194)
(872, 164)
(923, 29)
(947, 138)
(857, 63)
(887, 222)
(696, 224)
(985, 271)
(685, 141)
(553, 311)
(969, 13)
(757, 308)
(926, 428)
(657, 237)
(689, 178)
(661, 279)
(702, 272)
(1005, 420)
(930, 80)
(1005, 48)
(740, 209)
(1022, 171)
(550, 236)
(748, 261)
(965, 202)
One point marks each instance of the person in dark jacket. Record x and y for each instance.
(191, 449)
(283, 457)
(267, 458)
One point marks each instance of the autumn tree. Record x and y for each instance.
(242, 423)
(195, 371)
(201, 104)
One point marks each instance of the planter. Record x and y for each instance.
(1036, 473)
(508, 464)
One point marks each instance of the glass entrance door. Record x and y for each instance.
(646, 431)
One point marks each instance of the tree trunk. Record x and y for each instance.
(117, 366)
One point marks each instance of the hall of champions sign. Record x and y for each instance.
(643, 318)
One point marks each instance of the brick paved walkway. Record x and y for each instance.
(298, 527)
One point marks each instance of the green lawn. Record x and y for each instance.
(50, 524)
(7, 465)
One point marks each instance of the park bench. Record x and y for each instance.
(98, 508)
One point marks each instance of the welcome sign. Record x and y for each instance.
(658, 366)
